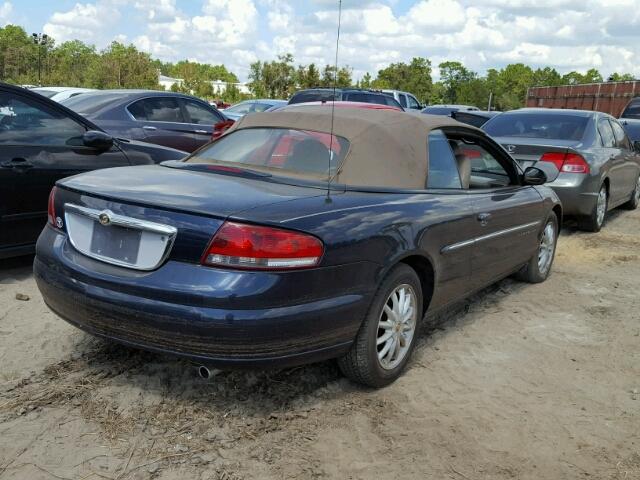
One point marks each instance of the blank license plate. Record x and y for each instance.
(119, 243)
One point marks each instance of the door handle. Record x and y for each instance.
(18, 163)
(484, 218)
(201, 131)
(148, 127)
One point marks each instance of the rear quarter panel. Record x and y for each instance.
(382, 229)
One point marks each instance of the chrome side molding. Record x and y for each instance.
(489, 236)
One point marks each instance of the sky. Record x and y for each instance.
(564, 34)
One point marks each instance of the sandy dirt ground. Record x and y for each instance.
(522, 382)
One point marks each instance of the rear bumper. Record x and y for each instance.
(123, 306)
(578, 193)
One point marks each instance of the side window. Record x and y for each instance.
(261, 107)
(157, 109)
(606, 133)
(403, 100)
(622, 141)
(25, 122)
(200, 114)
(443, 170)
(479, 168)
(392, 102)
(242, 108)
(365, 98)
(413, 103)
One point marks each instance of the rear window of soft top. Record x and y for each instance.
(297, 151)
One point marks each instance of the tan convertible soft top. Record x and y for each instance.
(388, 147)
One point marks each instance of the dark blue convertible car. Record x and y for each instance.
(295, 238)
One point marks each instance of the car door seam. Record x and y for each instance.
(488, 236)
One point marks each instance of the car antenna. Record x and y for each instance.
(333, 104)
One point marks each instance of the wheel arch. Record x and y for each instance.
(557, 209)
(423, 267)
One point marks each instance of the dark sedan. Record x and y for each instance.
(599, 166)
(359, 95)
(43, 142)
(165, 118)
(281, 244)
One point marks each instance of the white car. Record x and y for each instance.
(61, 93)
(407, 100)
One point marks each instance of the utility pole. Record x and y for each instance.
(40, 39)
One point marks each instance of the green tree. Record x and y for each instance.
(546, 77)
(365, 82)
(307, 76)
(413, 77)
(71, 63)
(575, 78)
(620, 77)
(18, 56)
(275, 79)
(124, 66)
(453, 75)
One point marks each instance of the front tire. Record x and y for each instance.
(633, 203)
(595, 221)
(387, 335)
(539, 266)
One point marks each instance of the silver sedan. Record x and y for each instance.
(599, 167)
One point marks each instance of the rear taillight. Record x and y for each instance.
(51, 208)
(237, 245)
(567, 162)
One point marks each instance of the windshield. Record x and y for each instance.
(298, 151)
(87, 103)
(538, 125)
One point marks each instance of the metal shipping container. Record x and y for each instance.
(608, 97)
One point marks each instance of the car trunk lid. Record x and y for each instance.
(137, 217)
(528, 151)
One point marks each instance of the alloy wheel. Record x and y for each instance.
(601, 206)
(547, 248)
(396, 326)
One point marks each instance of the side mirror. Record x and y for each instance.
(636, 146)
(97, 139)
(534, 176)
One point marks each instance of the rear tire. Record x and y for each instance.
(595, 221)
(633, 203)
(539, 266)
(387, 335)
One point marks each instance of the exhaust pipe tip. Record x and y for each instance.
(207, 373)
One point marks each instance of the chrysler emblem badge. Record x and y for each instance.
(511, 148)
(104, 218)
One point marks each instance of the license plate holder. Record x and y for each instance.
(115, 242)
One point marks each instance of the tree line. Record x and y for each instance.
(74, 63)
